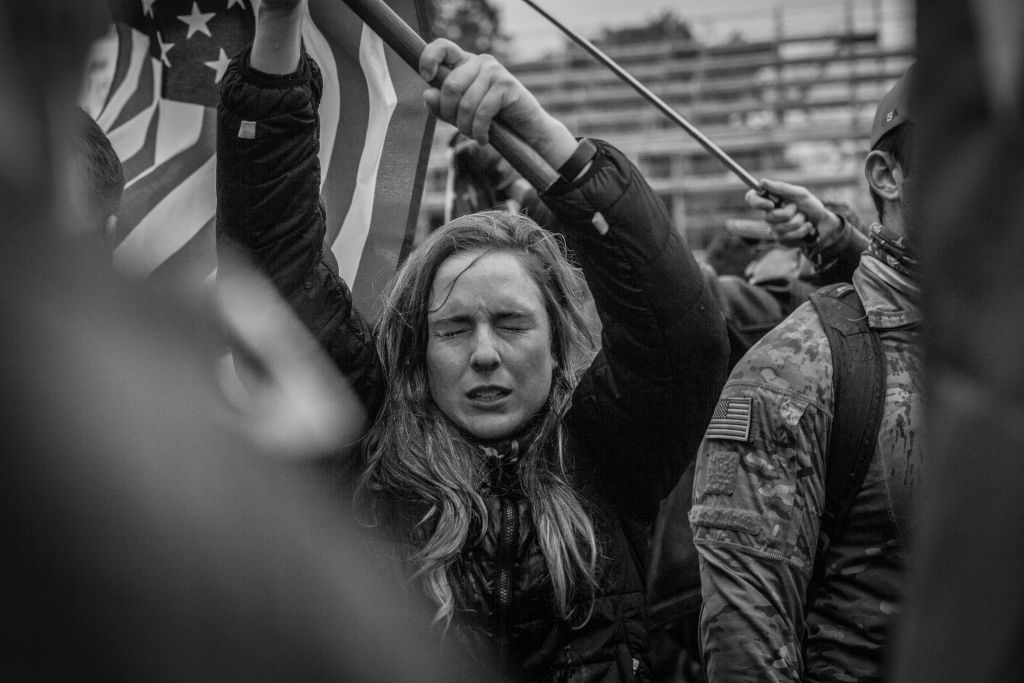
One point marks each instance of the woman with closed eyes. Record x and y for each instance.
(517, 454)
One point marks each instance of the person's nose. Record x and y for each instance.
(484, 356)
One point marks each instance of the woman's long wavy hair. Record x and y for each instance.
(417, 458)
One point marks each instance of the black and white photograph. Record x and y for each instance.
(512, 340)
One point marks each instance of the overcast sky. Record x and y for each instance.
(711, 19)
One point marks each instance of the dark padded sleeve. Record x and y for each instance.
(269, 213)
(642, 407)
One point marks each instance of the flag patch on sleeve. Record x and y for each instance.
(731, 419)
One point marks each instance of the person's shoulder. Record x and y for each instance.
(794, 357)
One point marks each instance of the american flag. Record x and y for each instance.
(154, 87)
(730, 420)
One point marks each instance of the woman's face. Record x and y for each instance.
(489, 358)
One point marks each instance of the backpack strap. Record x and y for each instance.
(858, 380)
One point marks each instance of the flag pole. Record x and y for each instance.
(409, 45)
(644, 91)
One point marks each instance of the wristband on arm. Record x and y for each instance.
(574, 165)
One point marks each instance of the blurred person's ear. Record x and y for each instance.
(110, 229)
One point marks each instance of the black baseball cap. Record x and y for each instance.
(894, 109)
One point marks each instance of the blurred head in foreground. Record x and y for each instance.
(143, 534)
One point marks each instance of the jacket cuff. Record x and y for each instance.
(847, 242)
(261, 79)
(581, 197)
(563, 186)
(254, 95)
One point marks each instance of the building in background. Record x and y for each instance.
(788, 93)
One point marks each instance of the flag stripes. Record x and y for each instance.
(136, 143)
(193, 262)
(381, 103)
(132, 88)
(336, 46)
(187, 207)
(404, 142)
(375, 134)
(147, 188)
(730, 419)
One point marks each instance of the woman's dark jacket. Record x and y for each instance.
(637, 416)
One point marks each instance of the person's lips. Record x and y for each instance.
(487, 394)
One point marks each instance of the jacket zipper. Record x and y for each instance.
(506, 547)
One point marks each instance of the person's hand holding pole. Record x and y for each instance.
(801, 220)
(478, 89)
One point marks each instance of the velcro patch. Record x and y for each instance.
(791, 412)
(247, 131)
(722, 467)
(725, 518)
(731, 419)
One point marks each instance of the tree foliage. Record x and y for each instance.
(666, 26)
(474, 25)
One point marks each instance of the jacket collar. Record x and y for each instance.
(892, 299)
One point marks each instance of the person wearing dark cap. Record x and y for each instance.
(782, 599)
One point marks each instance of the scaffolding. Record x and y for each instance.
(789, 93)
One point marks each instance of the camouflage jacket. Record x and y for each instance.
(759, 491)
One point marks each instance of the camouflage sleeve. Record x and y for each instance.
(758, 495)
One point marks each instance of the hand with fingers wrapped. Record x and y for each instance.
(801, 217)
(478, 90)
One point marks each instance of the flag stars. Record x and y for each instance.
(219, 65)
(147, 7)
(197, 21)
(164, 49)
(232, 3)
